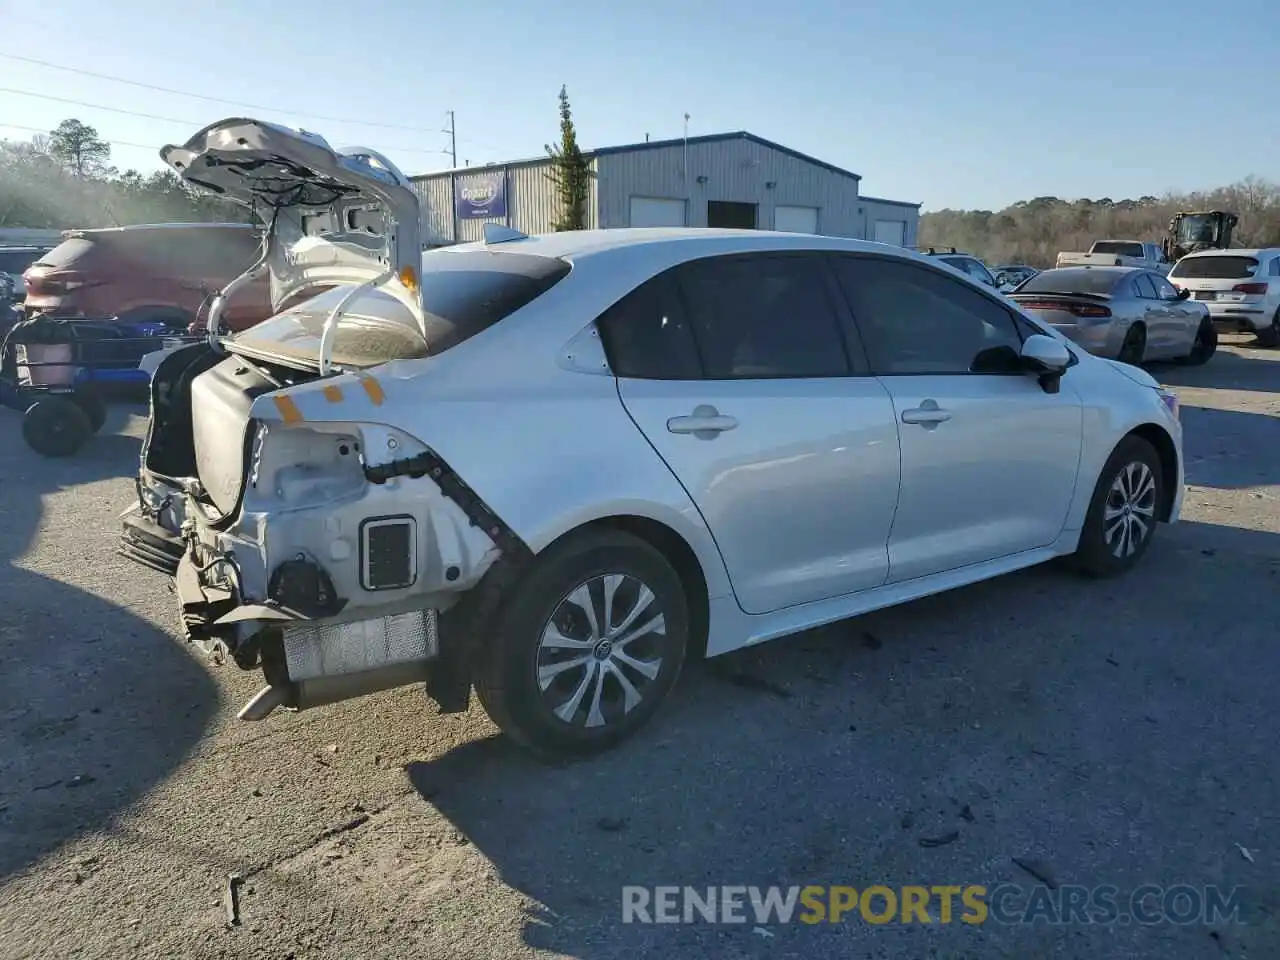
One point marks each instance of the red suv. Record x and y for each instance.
(163, 272)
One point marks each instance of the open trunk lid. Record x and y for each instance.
(334, 217)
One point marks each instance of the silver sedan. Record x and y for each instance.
(1124, 313)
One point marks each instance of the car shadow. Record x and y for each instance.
(97, 705)
(1228, 370)
(929, 743)
(1230, 449)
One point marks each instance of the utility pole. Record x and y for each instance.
(452, 131)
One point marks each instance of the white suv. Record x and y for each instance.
(1241, 288)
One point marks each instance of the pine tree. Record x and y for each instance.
(570, 172)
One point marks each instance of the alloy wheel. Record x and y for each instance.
(600, 651)
(1130, 511)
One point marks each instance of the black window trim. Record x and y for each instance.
(1016, 318)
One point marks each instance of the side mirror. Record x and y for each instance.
(1046, 357)
(1183, 293)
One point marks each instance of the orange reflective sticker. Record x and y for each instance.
(374, 389)
(289, 411)
(333, 394)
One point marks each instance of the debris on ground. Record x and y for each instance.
(762, 932)
(1244, 852)
(231, 898)
(79, 780)
(941, 840)
(1038, 869)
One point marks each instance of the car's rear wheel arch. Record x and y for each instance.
(678, 552)
(1168, 453)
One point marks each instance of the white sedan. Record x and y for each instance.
(553, 467)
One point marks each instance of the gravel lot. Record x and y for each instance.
(1118, 732)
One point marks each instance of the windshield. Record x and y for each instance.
(1215, 268)
(1120, 248)
(462, 294)
(1088, 281)
(1202, 229)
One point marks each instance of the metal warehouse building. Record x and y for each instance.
(723, 180)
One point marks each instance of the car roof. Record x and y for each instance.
(1233, 252)
(576, 244)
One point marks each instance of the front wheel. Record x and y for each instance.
(588, 645)
(1270, 336)
(1122, 514)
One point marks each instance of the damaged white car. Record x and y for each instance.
(551, 467)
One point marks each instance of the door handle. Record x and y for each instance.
(704, 420)
(928, 414)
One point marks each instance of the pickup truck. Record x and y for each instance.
(1118, 253)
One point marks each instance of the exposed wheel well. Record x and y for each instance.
(1168, 453)
(681, 556)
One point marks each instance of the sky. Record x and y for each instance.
(961, 105)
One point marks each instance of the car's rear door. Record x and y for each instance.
(736, 370)
(989, 459)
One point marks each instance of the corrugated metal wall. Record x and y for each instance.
(532, 205)
(736, 170)
(877, 210)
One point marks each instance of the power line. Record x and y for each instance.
(222, 100)
(152, 116)
(114, 143)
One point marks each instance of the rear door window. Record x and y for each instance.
(645, 335)
(1145, 288)
(763, 316)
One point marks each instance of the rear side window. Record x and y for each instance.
(69, 252)
(761, 317)
(1225, 267)
(646, 338)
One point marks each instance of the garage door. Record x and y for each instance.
(656, 212)
(891, 231)
(795, 219)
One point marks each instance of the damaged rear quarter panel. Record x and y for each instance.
(548, 449)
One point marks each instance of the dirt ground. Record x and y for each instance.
(1118, 732)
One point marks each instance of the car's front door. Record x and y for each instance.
(989, 459)
(1184, 318)
(736, 370)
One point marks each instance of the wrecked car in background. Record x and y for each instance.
(548, 467)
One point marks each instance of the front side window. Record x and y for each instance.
(914, 320)
(763, 316)
(1164, 289)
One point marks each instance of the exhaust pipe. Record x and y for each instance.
(321, 691)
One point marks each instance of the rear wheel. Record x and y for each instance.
(1135, 345)
(1205, 347)
(1122, 514)
(588, 645)
(55, 426)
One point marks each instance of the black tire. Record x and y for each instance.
(1095, 556)
(1205, 347)
(507, 681)
(94, 407)
(1270, 336)
(1134, 347)
(55, 426)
